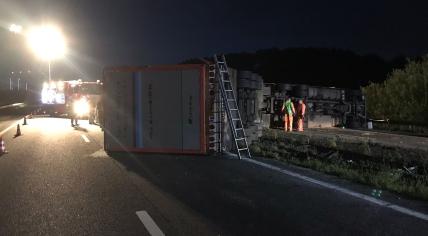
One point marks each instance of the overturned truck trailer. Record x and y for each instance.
(160, 109)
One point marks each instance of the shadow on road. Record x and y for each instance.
(234, 195)
(244, 199)
(78, 128)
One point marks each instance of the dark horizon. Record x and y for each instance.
(161, 32)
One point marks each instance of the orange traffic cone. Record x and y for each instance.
(2, 147)
(25, 120)
(18, 131)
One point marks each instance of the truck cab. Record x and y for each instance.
(72, 98)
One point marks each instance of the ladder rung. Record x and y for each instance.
(233, 109)
(238, 139)
(239, 129)
(242, 149)
(228, 90)
(235, 119)
(231, 100)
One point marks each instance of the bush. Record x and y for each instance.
(403, 97)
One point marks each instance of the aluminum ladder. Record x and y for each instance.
(231, 106)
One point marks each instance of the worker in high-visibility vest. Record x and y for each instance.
(289, 111)
(301, 109)
(71, 113)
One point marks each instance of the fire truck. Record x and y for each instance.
(72, 98)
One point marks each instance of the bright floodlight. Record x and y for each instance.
(47, 42)
(81, 107)
(15, 28)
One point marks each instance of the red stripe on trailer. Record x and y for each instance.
(202, 122)
(157, 150)
(152, 68)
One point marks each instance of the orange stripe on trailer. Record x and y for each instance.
(158, 150)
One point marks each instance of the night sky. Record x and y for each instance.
(131, 32)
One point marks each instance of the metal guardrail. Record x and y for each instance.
(13, 105)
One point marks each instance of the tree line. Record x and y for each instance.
(403, 96)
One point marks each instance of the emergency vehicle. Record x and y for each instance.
(73, 98)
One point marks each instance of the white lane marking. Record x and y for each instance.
(343, 190)
(10, 127)
(85, 138)
(149, 223)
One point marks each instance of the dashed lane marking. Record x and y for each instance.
(85, 138)
(343, 190)
(149, 223)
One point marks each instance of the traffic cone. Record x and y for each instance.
(25, 120)
(18, 131)
(2, 147)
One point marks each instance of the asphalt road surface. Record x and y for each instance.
(57, 180)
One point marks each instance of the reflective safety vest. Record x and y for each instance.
(301, 109)
(288, 107)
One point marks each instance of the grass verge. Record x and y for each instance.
(356, 167)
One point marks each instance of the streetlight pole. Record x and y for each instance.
(49, 68)
(46, 41)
